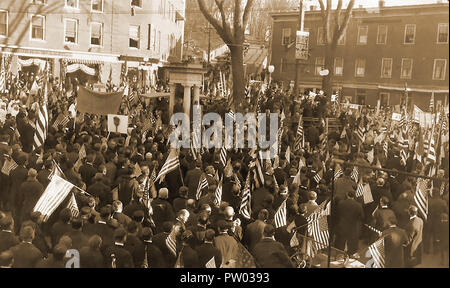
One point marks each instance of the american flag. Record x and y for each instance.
(318, 225)
(404, 157)
(355, 174)
(280, 215)
(218, 194)
(338, 173)
(317, 177)
(245, 208)
(294, 240)
(377, 252)
(171, 241)
(432, 102)
(385, 148)
(8, 166)
(359, 190)
(361, 133)
(72, 205)
(3, 74)
(40, 133)
(172, 163)
(55, 193)
(431, 155)
(211, 263)
(56, 170)
(299, 138)
(223, 156)
(421, 197)
(61, 120)
(202, 184)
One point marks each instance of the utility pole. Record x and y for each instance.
(209, 44)
(297, 61)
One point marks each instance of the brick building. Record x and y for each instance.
(383, 50)
(98, 35)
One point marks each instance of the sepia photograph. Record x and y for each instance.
(264, 134)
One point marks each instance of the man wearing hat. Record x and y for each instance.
(30, 191)
(26, 255)
(102, 227)
(99, 190)
(226, 244)
(270, 253)
(414, 229)
(17, 176)
(162, 209)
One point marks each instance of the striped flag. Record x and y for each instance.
(385, 148)
(294, 240)
(245, 208)
(172, 163)
(61, 120)
(421, 197)
(318, 225)
(218, 194)
(367, 194)
(40, 133)
(3, 74)
(338, 173)
(202, 184)
(9, 165)
(55, 193)
(355, 174)
(361, 133)
(211, 263)
(72, 205)
(404, 157)
(377, 252)
(317, 177)
(56, 170)
(431, 151)
(359, 190)
(171, 241)
(432, 102)
(299, 138)
(280, 215)
(223, 156)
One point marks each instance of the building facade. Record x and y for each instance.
(384, 51)
(111, 37)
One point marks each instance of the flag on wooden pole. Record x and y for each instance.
(280, 215)
(377, 252)
(211, 263)
(202, 184)
(421, 197)
(72, 205)
(172, 163)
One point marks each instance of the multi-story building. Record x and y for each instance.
(383, 50)
(98, 35)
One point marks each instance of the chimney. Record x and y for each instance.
(381, 3)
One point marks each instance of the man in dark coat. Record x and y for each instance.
(414, 229)
(56, 259)
(162, 209)
(400, 208)
(87, 170)
(153, 254)
(102, 228)
(30, 191)
(101, 191)
(26, 255)
(189, 256)
(90, 256)
(62, 226)
(17, 176)
(254, 231)
(79, 239)
(350, 216)
(207, 251)
(8, 238)
(270, 253)
(192, 178)
(116, 256)
(343, 185)
(394, 245)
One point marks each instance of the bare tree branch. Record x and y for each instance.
(237, 18)
(322, 9)
(337, 21)
(348, 14)
(226, 27)
(327, 22)
(247, 12)
(213, 21)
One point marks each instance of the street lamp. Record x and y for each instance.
(271, 68)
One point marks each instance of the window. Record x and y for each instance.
(72, 4)
(382, 34)
(97, 5)
(70, 30)
(134, 36)
(384, 99)
(386, 68)
(362, 35)
(410, 33)
(361, 96)
(96, 34)
(286, 36)
(3, 23)
(338, 66)
(37, 27)
(136, 3)
(320, 36)
(320, 62)
(442, 33)
(439, 69)
(406, 71)
(360, 67)
(341, 41)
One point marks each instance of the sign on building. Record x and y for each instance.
(301, 45)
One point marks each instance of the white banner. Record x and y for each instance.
(396, 116)
(302, 45)
(118, 123)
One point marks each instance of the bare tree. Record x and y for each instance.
(333, 31)
(230, 25)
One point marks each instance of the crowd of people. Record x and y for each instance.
(123, 221)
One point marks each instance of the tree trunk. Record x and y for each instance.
(237, 67)
(327, 81)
